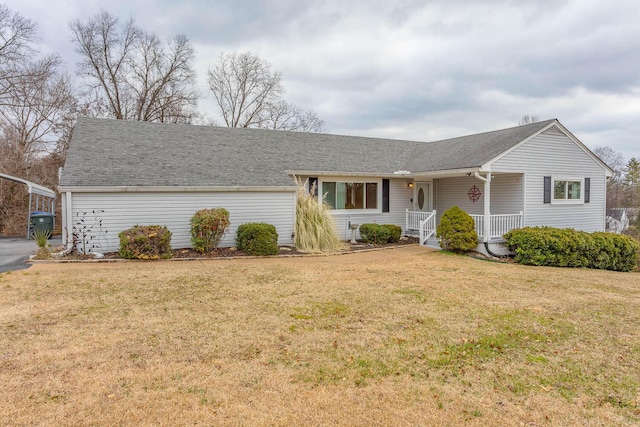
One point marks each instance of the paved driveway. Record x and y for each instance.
(14, 251)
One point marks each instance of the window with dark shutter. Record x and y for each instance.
(385, 195)
(587, 190)
(313, 186)
(547, 189)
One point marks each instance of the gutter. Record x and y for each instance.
(403, 174)
(174, 189)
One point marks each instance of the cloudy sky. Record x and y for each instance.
(420, 70)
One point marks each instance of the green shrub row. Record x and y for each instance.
(566, 247)
(379, 234)
(395, 231)
(257, 239)
(375, 234)
(145, 242)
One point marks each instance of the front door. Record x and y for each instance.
(423, 197)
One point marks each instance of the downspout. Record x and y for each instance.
(487, 211)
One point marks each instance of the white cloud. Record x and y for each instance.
(412, 69)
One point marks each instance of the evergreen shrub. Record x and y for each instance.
(374, 233)
(145, 242)
(566, 247)
(257, 239)
(456, 231)
(395, 231)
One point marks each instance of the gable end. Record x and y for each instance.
(553, 130)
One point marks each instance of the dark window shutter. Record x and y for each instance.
(547, 189)
(587, 190)
(385, 195)
(313, 185)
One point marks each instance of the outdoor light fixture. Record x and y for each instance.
(410, 185)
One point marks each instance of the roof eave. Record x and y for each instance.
(295, 173)
(173, 189)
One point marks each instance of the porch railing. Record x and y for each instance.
(422, 222)
(499, 225)
(427, 228)
(414, 218)
(479, 221)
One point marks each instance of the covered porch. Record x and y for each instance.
(423, 224)
(494, 201)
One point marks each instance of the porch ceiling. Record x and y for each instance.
(443, 174)
(451, 174)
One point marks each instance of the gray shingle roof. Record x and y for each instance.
(127, 153)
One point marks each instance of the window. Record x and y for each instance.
(567, 190)
(351, 195)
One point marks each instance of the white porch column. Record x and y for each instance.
(487, 204)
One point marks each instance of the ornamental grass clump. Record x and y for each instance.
(41, 237)
(456, 231)
(315, 229)
(208, 227)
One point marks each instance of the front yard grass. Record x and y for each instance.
(406, 336)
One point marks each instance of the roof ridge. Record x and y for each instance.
(290, 132)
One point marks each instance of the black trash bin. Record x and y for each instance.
(42, 221)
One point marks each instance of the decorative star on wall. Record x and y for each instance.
(474, 194)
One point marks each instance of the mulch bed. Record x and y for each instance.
(284, 250)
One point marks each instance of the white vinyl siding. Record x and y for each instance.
(175, 209)
(453, 192)
(507, 194)
(555, 154)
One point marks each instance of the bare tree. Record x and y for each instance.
(37, 112)
(250, 94)
(527, 120)
(130, 74)
(284, 116)
(17, 36)
(244, 86)
(615, 188)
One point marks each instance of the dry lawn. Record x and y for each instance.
(400, 337)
